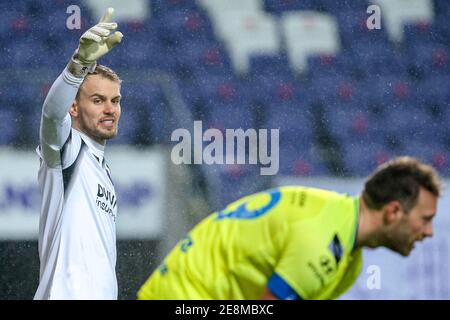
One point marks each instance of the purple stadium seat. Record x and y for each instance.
(301, 159)
(361, 158)
(432, 59)
(230, 115)
(293, 120)
(379, 100)
(237, 181)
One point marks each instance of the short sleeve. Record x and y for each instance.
(305, 264)
(281, 289)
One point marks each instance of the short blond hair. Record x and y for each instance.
(104, 72)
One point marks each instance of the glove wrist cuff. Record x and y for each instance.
(80, 69)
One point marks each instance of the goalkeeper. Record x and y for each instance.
(77, 232)
(296, 242)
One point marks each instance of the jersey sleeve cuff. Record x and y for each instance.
(70, 79)
(281, 289)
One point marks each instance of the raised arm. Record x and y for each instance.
(55, 121)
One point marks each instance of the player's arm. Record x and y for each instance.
(55, 121)
(279, 288)
(298, 274)
(268, 295)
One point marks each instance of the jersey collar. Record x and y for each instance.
(96, 148)
(355, 233)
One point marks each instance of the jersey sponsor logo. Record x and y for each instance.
(242, 212)
(316, 273)
(299, 198)
(106, 201)
(324, 268)
(326, 264)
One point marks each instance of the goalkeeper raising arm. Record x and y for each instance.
(77, 235)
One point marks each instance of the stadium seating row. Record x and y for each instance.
(367, 98)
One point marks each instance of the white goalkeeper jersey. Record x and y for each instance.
(77, 232)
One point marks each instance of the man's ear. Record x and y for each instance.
(392, 212)
(73, 111)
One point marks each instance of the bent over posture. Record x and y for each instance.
(294, 242)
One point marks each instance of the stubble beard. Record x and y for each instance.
(97, 133)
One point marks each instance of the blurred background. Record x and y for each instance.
(345, 98)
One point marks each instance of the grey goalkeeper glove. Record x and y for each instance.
(95, 43)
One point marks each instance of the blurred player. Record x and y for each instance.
(77, 234)
(299, 243)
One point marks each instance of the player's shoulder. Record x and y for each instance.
(71, 148)
(61, 157)
(319, 207)
(301, 195)
(285, 189)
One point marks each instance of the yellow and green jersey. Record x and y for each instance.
(299, 242)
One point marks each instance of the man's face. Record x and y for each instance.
(413, 226)
(97, 110)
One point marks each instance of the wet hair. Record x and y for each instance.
(400, 179)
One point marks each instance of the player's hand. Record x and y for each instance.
(98, 40)
(94, 43)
